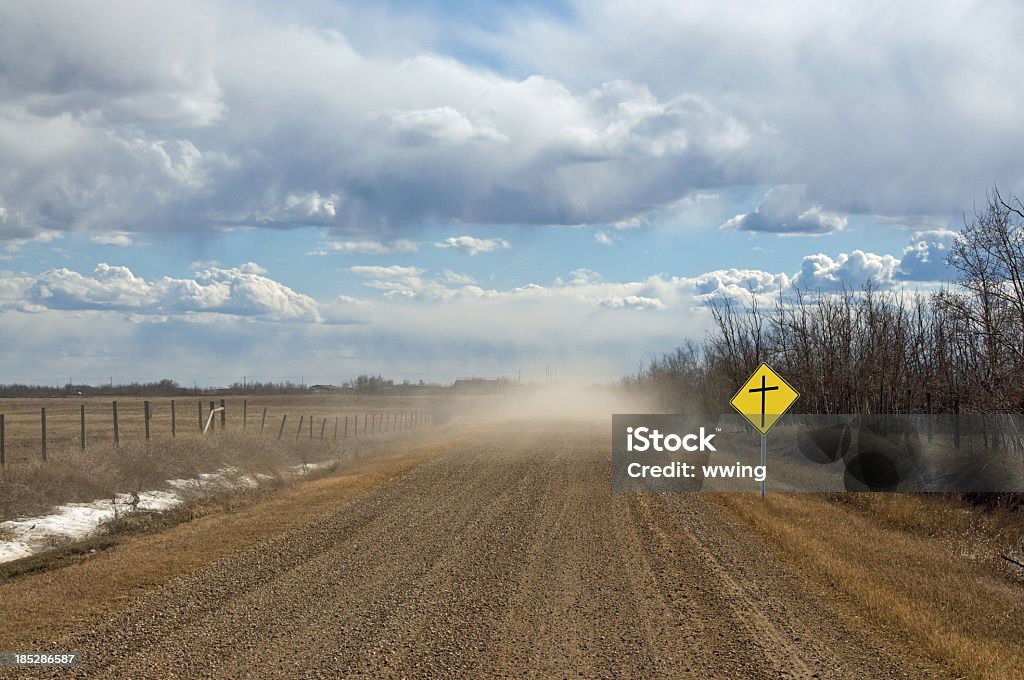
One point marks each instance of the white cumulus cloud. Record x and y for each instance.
(367, 247)
(924, 259)
(471, 245)
(240, 291)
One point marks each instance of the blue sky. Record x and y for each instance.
(430, 189)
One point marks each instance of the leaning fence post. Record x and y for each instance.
(956, 421)
(117, 428)
(145, 410)
(280, 432)
(928, 407)
(83, 427)
(322, 426)
(43, 423)
(299, 430)
(263, 420)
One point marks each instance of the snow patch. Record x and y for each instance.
(27, 536)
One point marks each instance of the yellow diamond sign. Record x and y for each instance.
(764, 398)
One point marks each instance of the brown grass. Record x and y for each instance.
(924, 566)
(63, 418)
(33, 488)
(30, 486)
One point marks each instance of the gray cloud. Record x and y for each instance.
(787, 210)
(901, 112)
(216, 116)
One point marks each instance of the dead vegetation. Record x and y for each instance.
(78, 477)
(237, 453)
(924, 566)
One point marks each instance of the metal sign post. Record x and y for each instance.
(764, 459)
(762, 400)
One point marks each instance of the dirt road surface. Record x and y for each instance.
(505, 555)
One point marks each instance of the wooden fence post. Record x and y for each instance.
(145, 413)
(956, 422)
(310, 426)
(346, 427)
(928, 408)
(83, 427)
(280, 432)
(299, 431)
(42, 416)
(174, 421)
(263, 420)
(117, 428)
(323, 425)
(200, 415)
(223, 415)
(335, 428)
(3, 442)
(245, 413)
(213, 416)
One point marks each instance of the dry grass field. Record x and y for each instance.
(242, 413)
(29, 485)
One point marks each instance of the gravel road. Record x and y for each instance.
(509, 556)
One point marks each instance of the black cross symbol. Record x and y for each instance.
(764, 391)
